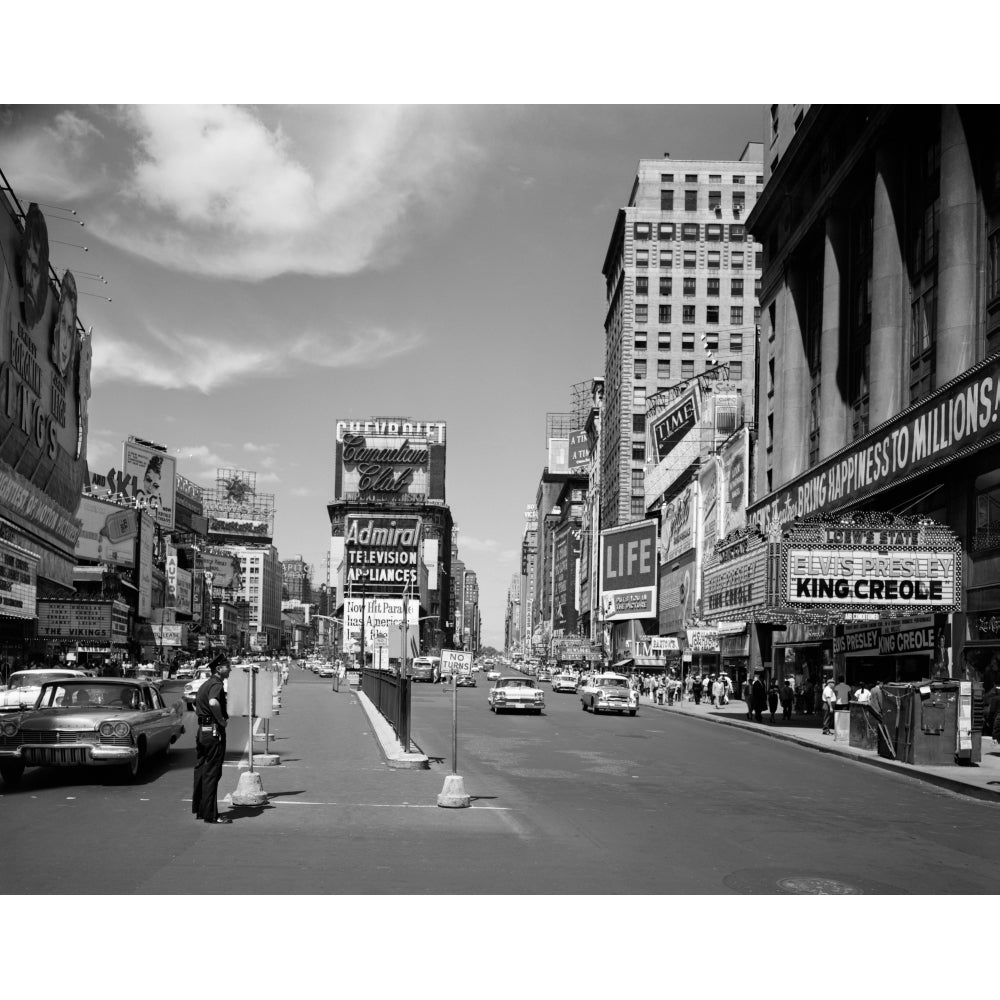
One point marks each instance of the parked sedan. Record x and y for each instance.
(25, 686)
(107, 721)
(516, 694)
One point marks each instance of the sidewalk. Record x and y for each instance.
(980, 781)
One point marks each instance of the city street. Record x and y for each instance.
(562, 803)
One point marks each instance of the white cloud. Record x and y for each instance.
(162, 358)
(466, 543)
(252, 193)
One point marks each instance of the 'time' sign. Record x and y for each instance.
(629, 571)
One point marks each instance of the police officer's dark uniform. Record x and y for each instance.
(210, 743)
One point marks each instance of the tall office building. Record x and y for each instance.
(296, 576)
(682, 279)
(260, 573)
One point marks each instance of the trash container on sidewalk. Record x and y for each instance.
(842, 723)
(864, 727)
(934, 722)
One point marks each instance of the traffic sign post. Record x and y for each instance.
(453, 795)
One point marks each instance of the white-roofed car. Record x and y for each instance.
(24, 686)
(564, 681)
(609, 693)
(520, 694)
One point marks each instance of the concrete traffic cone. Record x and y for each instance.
(249, 790)
(453, 794)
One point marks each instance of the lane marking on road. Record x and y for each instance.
(370, 805)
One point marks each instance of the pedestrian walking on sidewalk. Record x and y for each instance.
(787, 698)
(758, 697)
(772, 699)
(210, 742)
(748, 698)
(829, 700)
(696, 689)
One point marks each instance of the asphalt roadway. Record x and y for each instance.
(561, 803)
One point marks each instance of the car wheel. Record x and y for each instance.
(632, 712)
(134, 767)
(11, 771)
(583, 705)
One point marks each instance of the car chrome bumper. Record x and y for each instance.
(55, 754)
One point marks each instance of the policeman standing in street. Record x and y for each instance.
(210, 742)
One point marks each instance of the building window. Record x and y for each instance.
(665, 314)
(687, 339)
(690, 287)
(736, 315)
(688, 316)
(689, 232)
(663, 340)
(756, 314)
(639, 369)
(666, 258)
(711, 341)
(642, 230)
(642, 258)
(690, 258)
(737, 234)
(736, 260)
(758, 260)
(690, 201)
(760, 179)
(690, 178)
(638, 506)
(666, 231)
(666, 201)
(638, 477)
(713, 287)
(739, 201)
(666, 286)
(662, 369)
(687, 369)
(641, 285)
(736, 288)
(814, 411)
(714, 200)
(739, 179)
(712, 315)
(714, 259)
(735, 370)
(639, 398)
(640, 340)
(714, 233)
(638, 423)
(641, 312)
(639, 451)
(756, 287)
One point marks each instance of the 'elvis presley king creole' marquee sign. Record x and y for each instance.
(871, 563)
(385, 458)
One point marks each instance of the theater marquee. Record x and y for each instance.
(864, 563)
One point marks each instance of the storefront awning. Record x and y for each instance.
(622, 664)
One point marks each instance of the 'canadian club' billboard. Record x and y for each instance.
(629, 571)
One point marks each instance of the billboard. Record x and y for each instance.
(18, 581)
(383, 620)
(153, 477)
(224, 567)
(673, 443)
(382, 554)
(45, 388)
(182, 601)
(677, 524)
(629, 571)
(558, 455)
(709, 490)
(107, 532)
(735, 457)
(579, 451)
(147, 530)
(384, 458)
(677, 594)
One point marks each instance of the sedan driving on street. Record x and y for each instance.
(565, 681)
(516, 694)
(609, 693)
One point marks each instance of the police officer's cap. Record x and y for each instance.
(220, 660)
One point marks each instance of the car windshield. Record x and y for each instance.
(85, 697)
(613, 682)
(36, 678)
(517, 682)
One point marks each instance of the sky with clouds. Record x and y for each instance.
(274, 268)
